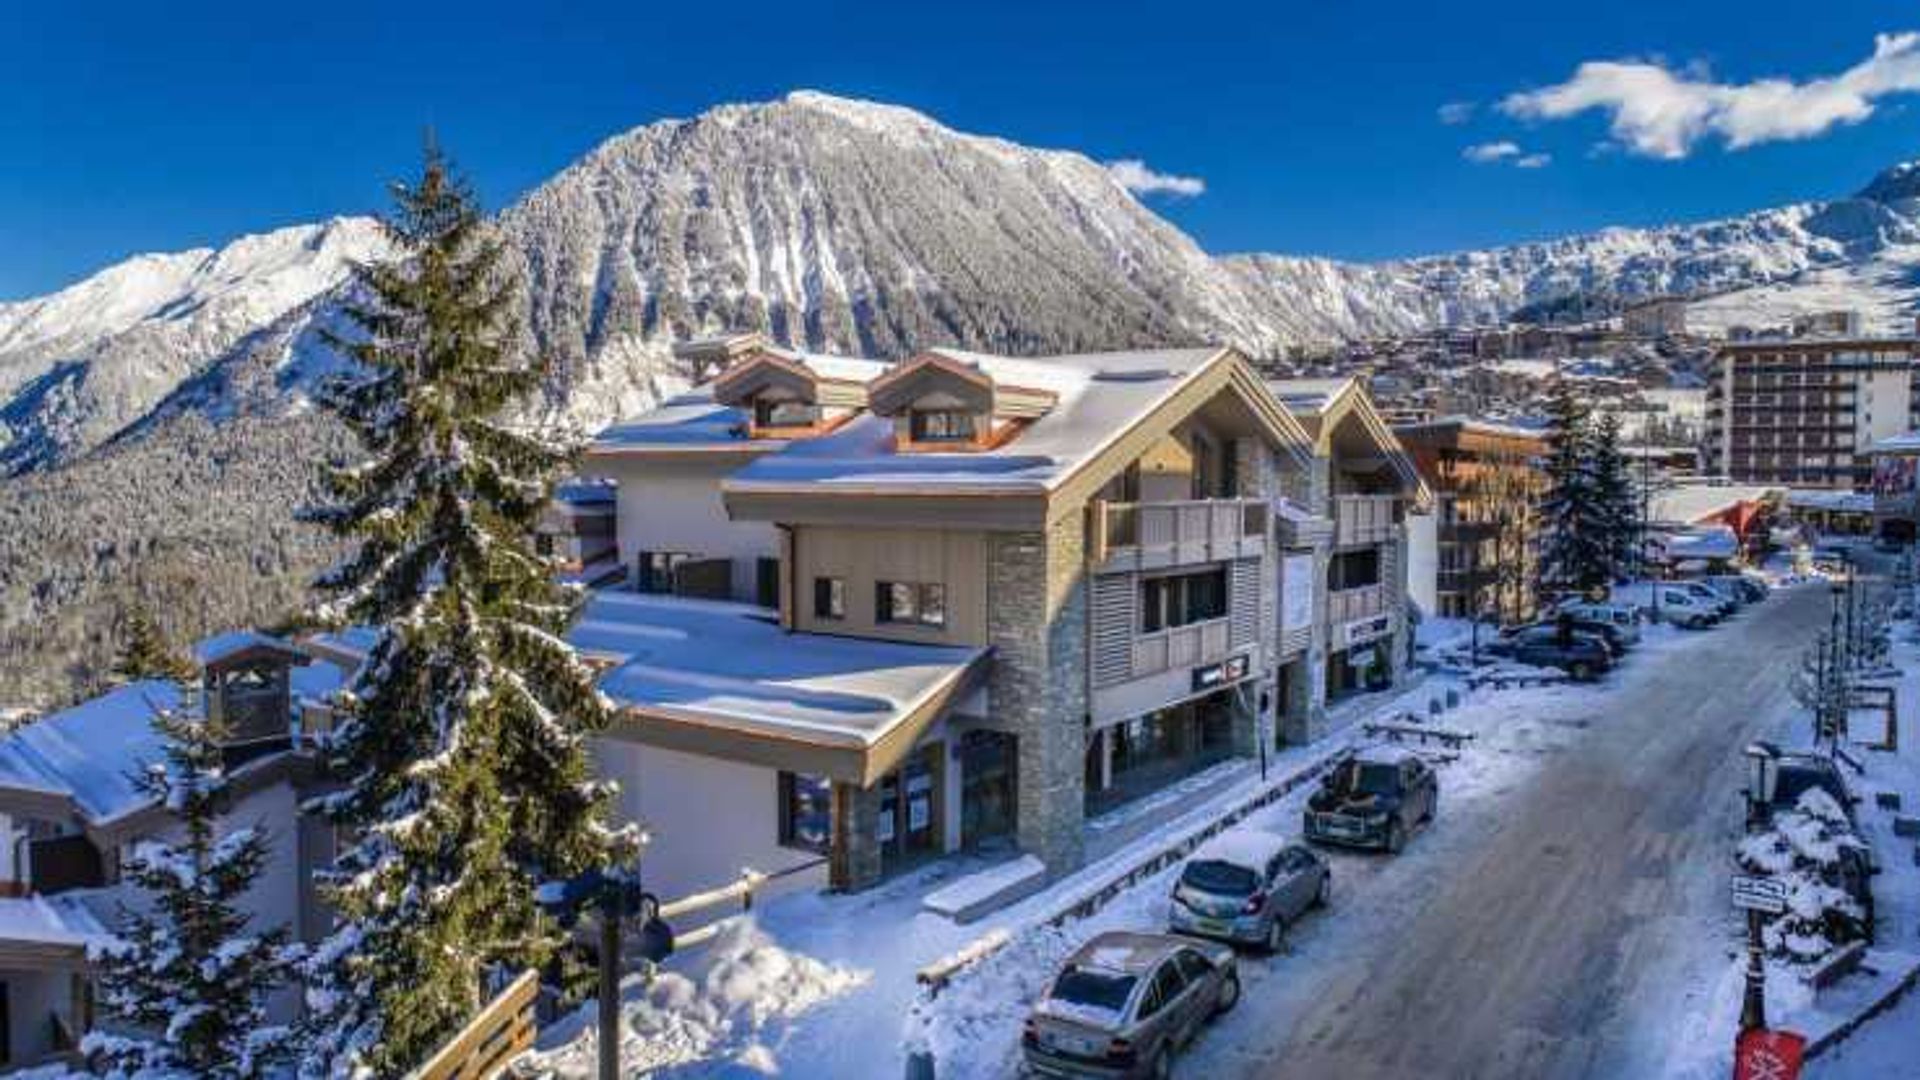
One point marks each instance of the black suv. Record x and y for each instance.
(1373, 799)
(1581, 655)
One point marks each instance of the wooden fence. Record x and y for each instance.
(503, 1029)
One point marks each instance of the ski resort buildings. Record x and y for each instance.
(1486, 480)
(876, 613)
(1805, 411)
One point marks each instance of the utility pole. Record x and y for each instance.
(1753, 1006)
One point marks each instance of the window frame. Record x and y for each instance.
(787, 836)
(925, 606)
(920, 426)
(830, 597)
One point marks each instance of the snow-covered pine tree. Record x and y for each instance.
(1574, 556)
(461, 747)
(1803, 850)
(144, 650)
(1613, 495)
(187, 979)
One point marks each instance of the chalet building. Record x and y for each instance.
(73, 814)
(1486, 479)
(874, 613)
(1806, 411)
(577, 529)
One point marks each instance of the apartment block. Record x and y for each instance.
(876, 613)
(1806, 411)
(1486, 479)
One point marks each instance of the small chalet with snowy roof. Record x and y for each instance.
(874, 613)
(73, 812)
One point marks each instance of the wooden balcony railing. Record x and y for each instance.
(1346, 605)
(1181, 646)
(1173, 533)
(1363, 519)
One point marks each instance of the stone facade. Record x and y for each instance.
(1037, 625)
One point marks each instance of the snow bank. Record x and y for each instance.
(725, 1012)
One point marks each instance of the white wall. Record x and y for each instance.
(709, 818)
(32, 998)
(676, 506)
(1883, 411)
(1423, 561)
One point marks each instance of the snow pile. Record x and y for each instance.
(973, 1026)
(725, 1013)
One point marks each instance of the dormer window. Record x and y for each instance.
(943, 426)
(785, 414)
(949, 403)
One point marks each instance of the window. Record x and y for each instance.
(1181, 599)
(942, 425)
(1192, 965)
(829, 598)
(543, 545)
(806, 816)
(1354, 569)
(656, 570)
(779, 414)
(920, 603)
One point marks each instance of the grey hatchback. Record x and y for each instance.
(1125, 1003)
(1247, 886)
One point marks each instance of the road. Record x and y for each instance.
(1551, 930)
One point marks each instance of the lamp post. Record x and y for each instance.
(1763, 772)
(614, 893)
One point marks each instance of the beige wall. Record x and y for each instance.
(860, 557)
(668, 505)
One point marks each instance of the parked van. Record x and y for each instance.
(1624, 620)
(1683, 607)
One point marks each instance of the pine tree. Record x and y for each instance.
(1613, 497)
(461, 752)
(1574, 554)
(187, 978)
(144, 650)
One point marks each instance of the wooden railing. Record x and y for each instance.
(1346, 605)
(503, 1029)
(1172, 532)
(1363, 519)
(1181, 646)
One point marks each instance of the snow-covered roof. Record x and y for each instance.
(1690, 503)
(695, 421)
(1251, 848)
(91, 753)
(219, 647)
(1824, 499)
(1308, 396)
(62, 920)
(1906, 443)
(1712, 542)
(1098, 397)
(730, 668)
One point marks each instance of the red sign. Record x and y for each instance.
(1768, 1055)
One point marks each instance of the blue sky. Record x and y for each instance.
(1314, 128)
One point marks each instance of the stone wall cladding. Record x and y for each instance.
(1037, 625)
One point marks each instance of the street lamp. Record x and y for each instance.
(615, 894)
(1763, 777)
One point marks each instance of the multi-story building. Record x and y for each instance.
(876, 613)
(1486, 480)
(1805, 411)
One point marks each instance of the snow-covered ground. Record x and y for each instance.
(849, 1005)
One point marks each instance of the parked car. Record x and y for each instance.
(1624, 619)
(1615, 638)
(1374, 798)
(1125, 1003)
(1581, 655)
(1682, 607)
(1709, 596)
(1798, 772)
(1246, 885)
(1749, 588)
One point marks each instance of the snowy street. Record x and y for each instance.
(1547, 930)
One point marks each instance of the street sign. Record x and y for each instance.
(1760, 1054)
(1759, 894)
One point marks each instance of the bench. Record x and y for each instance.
(1400, 731)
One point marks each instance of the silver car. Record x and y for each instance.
(1125, 1003)
(1246, 886)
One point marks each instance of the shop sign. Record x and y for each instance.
(1363, 630)
(1768, 1055)
(1213, 676)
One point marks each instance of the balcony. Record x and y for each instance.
(1363, 519)
(1145, 536)
(1348, 605)
(1181, 647)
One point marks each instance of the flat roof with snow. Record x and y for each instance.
(37, 932)
(83, 760)
(724, 680)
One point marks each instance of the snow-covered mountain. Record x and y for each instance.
(855, 226)
(83, 363)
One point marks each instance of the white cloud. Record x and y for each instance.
(1490, 152)
(1134, 175)
(1456, 112)
(1657, 111)
(1533, 161)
